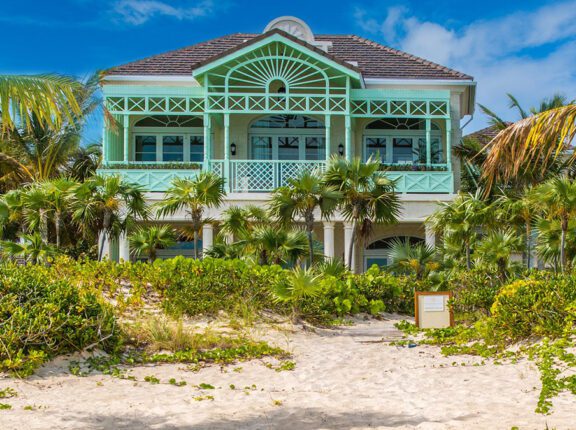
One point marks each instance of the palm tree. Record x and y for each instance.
(532, 144)
(84, 162)
(419, 258)
(558, 196)
(299, 200)
(275, 245)
(497, 247)
(107, 205)
(461, 220)
(49, 98)
(549, 241)
(148, 240)
(300, 284)
(193, 195)
(35, 151)
(367, 196)
(239, 222)
(32, 248)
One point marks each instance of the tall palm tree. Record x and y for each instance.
(558, 196)
(193, 196)
(275, 245)
(107, 205)
(49, 98)
(367, 196)
(548, 242)
(238, 222)
(84, 162)
(300, 199)
(31, 247)
(35, 151)
(148, 240)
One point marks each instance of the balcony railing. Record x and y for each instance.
(262, 176)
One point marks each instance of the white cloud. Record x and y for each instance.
(137, 12)
(529, 54)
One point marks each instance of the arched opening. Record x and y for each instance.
(402, 141)
(169, 138)
(378, 252)
(287, 137)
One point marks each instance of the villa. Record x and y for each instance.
(259, 108)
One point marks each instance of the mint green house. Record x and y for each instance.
(259, 108)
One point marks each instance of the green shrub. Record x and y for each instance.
(42, 316)
(396, 292)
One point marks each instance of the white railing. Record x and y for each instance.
(249, 176)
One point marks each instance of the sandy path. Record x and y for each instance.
(344, 379)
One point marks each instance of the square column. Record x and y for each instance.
(327, 126)
(348, 229)
(348, 137)
(105, 244)
(329, 239)
(207, 237)
(124, 247)
(207, 119)
(126, 137)
(227, 151)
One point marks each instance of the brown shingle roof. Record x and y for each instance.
(485, 135)
(374, 60)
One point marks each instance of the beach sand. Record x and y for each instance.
(345, 378)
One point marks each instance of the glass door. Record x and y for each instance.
(289, 148)
(261, 147)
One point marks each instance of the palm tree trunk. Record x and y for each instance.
(152, 256)
(351, 245)
(57, 228)
(310, 248)
(44, 226)
(196, 244)
(105, 227)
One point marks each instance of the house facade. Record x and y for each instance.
(259, 108)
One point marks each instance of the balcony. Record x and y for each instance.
(262, 176)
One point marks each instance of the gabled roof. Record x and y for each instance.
(270, 35)
(485, 135)
(373, 59)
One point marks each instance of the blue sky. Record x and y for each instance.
(524, 47)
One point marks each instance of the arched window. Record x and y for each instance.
(169, 138)
(378, 252)
(287, 137)
(401, 141)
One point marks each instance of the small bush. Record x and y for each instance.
(43, 316)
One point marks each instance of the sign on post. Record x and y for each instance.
(432, 309)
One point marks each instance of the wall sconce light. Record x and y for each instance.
(233, 149)
(341, 150)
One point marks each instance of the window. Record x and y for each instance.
(145, 148)
(288, 148)
(197, 148)
(172, 148)
(315, 148)
(261, 148)
(287, 121)
(375, 147)
(169, 121)
(402, 141)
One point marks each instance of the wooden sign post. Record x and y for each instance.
(432, 309)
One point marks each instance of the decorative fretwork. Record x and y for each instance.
(423, 182)
(155, 105)
(400, 108)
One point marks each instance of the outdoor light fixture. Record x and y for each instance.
(233, 149)
(341, 150)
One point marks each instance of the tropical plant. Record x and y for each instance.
(31, 248)
(107, 205)
(36, 151)
(238, 222)
(461, 221)
(193, 196)
(84, 162)
(274, 245)
(49, 98)
(367, 196)
(558, 196)
(298, 285)
(299, 200)
(497, 247)
(148, 240)
(418, 259)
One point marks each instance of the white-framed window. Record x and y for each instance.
(168, 138)
(401, 141)
(287, 137)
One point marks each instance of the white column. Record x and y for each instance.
(430, 236)
(104, 242)
(124, 245)
(207, 237)
(348, 136)
(328, 148)
(347, 239)
(329, 239)
(207, 141)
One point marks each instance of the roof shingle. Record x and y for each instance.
(374, 60)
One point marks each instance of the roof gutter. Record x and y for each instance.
(158, 78)
(388, 81)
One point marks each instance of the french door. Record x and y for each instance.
(290, 147)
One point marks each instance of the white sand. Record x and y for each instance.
(344, 379)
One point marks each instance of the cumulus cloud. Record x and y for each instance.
(138, 12)
(531, 54)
